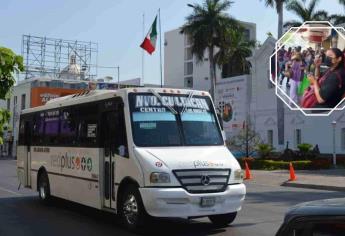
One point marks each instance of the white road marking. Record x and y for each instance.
(9, 191)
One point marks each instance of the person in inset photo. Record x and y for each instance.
(297, 67)
(327, 89)
(227, 114)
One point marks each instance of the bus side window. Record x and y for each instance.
(88, 125)
(68, 127)
(21, 133)
(24, 131)
(38, 129)
(51, 127)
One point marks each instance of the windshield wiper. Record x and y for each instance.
(190, 96)
(172, 110)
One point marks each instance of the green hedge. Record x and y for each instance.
(277, 165)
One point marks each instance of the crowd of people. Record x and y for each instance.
(308, 69)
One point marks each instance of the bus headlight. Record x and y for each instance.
(239, 174)
(159, 177)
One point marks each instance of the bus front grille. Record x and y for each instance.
(203, 180)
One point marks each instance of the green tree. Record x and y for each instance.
(234, 52)
(342, 2)
(305, 13)
(246, 141)
(264, 150)
(337, 19)
(9, 63)
(205, 27)
(269, 34)
(279, 6)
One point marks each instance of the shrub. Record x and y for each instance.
(341, 161)
(321, 163)
(288, 155)
(264, 150)
(304, 147)
(258, 164)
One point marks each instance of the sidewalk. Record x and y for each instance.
(332, 180)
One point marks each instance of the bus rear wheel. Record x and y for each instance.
(223, 220)
(131, 209)
(44, 188)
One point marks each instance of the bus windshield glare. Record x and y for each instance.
(154, 125)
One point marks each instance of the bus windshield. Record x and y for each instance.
(154, 125)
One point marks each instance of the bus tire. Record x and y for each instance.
(223, 220)
(131, 209)
(44, 188)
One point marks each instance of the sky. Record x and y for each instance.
(117, 26)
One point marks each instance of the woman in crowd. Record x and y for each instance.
(328, 88)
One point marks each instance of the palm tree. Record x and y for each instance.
(338, 19)
(305, 13)
(278, 5)
(205, 26)
(232, 57)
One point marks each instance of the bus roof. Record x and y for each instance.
(96, 95)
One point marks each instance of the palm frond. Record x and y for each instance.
(311, 7)
(206, 25)
(298, 8)
(292, 23)
(320, 15)
(337, 19)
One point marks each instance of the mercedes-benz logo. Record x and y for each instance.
(205, 180)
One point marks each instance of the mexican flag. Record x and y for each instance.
(149, 43)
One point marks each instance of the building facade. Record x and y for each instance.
(181, 68)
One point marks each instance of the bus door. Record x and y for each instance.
(109, 135)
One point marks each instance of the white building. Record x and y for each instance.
(181, 69)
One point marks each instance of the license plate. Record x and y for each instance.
(207, 201)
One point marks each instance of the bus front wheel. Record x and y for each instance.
(44, 188)
(132, 211)
(223, 220)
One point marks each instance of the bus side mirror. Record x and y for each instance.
(219, 116)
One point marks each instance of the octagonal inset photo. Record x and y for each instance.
(309, 74)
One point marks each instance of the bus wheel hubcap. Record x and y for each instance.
(130, 209)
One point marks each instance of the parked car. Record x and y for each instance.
(316, 218)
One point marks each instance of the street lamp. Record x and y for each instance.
(334, 123)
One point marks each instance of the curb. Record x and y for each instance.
(313, 186)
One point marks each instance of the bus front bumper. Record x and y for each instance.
(177, 202)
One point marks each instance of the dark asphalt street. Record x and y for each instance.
(22, 214)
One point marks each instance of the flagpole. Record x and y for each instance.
(143, 55)
(160, 46)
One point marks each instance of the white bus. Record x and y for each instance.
(137, 152)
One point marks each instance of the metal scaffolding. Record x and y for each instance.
(49, 56)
